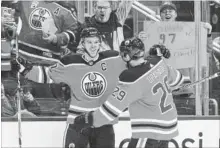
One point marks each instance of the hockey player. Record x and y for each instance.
(47, 28)
(92, 77)
(145, 88)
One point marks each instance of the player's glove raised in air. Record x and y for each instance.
(160, 50)
(84, 123)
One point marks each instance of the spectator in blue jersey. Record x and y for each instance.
(145, 88)
(109, 22)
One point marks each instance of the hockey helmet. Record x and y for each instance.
(132, 48)
(90, 32)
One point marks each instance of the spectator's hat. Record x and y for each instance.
(168, 5)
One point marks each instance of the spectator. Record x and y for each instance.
(8, 107)
(109, 22)
(47, 28)
(168, 13)
(29, 106)
(30, 103)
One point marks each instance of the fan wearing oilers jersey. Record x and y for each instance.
(46, 30)
(145, 88)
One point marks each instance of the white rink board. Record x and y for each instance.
(50, 134)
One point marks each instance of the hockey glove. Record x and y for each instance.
(162, 49)
(27, 66)
(85, 122)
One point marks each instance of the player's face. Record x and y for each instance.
(102, 11)
(92, 45)
(168, 14)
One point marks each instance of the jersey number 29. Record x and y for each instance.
(165, 90)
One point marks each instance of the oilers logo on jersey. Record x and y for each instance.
(93, 84)
(38, 16)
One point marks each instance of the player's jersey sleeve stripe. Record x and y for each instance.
(45, 75)
(154, 126)
(118, 111)
(41, 74)
(105, 114)
(49, 80)
(178, 79)
(81, 109)
(71, 35)
(109, 111)
(68, 36)
(155, 131)
(150, 121)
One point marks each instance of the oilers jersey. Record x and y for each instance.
(39, 19)
(145, 90)
(90, 83)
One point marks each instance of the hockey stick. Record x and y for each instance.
(19, 85)
(217, 74)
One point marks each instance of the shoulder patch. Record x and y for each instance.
(72, 58)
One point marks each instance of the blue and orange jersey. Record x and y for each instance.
(91, 82)
(146, 91)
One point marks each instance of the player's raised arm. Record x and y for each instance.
(70, 25)
(175, 78)
(67, 25)
(42, 74)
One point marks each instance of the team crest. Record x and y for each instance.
(38, 16)
(93, 84)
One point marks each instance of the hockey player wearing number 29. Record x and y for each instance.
(145, 88)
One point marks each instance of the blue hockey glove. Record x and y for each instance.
(85, 122)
